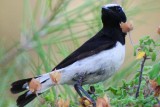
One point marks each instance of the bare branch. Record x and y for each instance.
(140, 76)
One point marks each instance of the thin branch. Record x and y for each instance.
(140, 76)
(55, 11)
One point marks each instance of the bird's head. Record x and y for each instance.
(112, 15)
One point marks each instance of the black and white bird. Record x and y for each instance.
(95, 61)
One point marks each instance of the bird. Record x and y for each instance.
(94, 61)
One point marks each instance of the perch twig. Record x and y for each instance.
(140, 76)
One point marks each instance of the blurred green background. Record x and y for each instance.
(35, 35)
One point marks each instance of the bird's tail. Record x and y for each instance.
(43, 82)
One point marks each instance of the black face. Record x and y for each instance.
(113, 15)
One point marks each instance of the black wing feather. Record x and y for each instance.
(93, 46)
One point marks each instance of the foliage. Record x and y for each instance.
(50, 31)
(147, 96)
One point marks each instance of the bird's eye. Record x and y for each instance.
(119, 9)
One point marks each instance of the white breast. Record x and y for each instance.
(107, 61)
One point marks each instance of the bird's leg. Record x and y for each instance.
(78, 91)
(78, 87)
(87, 95)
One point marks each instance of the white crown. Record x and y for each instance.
(111, 5)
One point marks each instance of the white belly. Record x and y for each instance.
(96, 68)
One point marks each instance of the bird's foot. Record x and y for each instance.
(86, 102)
(78, 87)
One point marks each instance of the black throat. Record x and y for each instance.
(115, 33)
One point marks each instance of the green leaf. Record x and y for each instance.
(140, 41)
(49, 97)
(147, 51)
(124, 83)
(148, 42)
(155, 71)
(153, 56)
(113, 90)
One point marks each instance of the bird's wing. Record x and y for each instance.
(93, 46)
